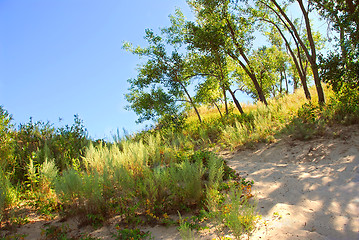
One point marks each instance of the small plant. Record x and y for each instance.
(238, 214)
(96, 220)
(19, 220)
(55, 232)
(132, 234)
(14, 237)
(185, 229)
(8, 194)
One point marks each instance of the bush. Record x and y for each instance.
(7, 143)
(344, 106)
(187, 181)
(7, 194)
(39, 141)
(239, 214)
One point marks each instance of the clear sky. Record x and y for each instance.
(60, 58)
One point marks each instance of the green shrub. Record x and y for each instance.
(81, 194)
(134, 234)
(239, 214)
(308, 122)
(68, 187)
(39, 141)
(344, 106)
(185, 229)
(7, 143)
(8, 194)
(187, 181)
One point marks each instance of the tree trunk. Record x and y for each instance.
(286, 83)
(295, 83)
(281, 83)
(191, 102)
(219, 110)
(298, 64)
(318, 85)
(249, 71)
(225, 100)
(311, 56)
(238, 105)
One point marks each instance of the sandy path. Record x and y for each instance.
(305, 190)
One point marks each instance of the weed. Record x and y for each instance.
(19, 220)
(55, 232)
(96, 220)
(8, 194)
(131, 234)
(185, 229)
(238, 214)
(187, 181)
(14, 237)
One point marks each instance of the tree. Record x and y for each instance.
(233, 31)
(343, 67)
(266, 14)
(310, 51)
(208, 40)
(209, 93)
(6, 140)
(162, 81)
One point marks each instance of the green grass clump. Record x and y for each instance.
(133, 182)
(239, 213)
(8, 194)
(134, 234)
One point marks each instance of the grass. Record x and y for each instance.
(149, 176)
(260, 123)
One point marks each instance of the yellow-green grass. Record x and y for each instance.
(260, 123)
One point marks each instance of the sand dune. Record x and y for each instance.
(304, 189)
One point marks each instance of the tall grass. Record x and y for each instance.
(260, 123)
(148, 175)
(8, 194)
(239, 214)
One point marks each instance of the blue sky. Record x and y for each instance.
(60, 58)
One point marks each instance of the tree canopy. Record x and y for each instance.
(207, 60)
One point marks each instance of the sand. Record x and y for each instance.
(304, 190)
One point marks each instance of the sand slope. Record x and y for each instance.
(306, 190)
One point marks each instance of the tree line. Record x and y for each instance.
(205, 61)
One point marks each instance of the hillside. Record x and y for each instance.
(304, 190)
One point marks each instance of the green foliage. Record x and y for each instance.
(40, 141)
(174, 122)
(239, 214)
(82, 194)
(307, 123)
(61, 232)
(340, 68)
(14, 237)
(312, 119)
(135, 234)
(39, 188)
(55, 232)
(8, 194)
(7, 142)
(185, 229)
(143, 177)
(160, 88)
(187, 181)
(344, 107)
